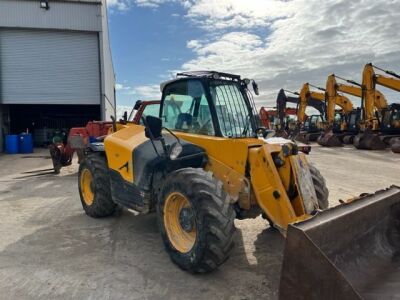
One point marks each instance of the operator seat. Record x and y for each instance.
(184, 121)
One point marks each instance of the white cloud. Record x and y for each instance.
(120, 5)
(148, 92)
(287, 43)
(193, 44)
(143, 92)
(121, 109)
(283, 43)
(219, 14)
(120, 87)
(124, 5)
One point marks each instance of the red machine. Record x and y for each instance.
(268, 117)
(62, 150)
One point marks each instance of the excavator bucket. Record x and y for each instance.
(348, 139)
(351, 251)
(368, 141)
(329, 139)
(395, 145)
(302, 138)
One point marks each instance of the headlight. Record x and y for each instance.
(176, 149)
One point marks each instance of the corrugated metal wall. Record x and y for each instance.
(49, 67)
(61, 15)
(108, 83)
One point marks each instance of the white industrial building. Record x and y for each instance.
(56, 68)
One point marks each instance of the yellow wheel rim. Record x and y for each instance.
(181, 239)
(86, 187)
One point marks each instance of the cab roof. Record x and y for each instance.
(202, 74)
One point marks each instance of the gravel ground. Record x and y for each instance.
(50, 249)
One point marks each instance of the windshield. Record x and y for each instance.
(353, 119)
(232, 111)
(185, 108)
(152, 109)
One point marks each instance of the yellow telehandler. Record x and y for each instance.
(205, 162)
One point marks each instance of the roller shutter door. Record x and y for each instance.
(49, 67)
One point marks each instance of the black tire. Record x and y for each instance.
(56, 158)
(320, 187)
(214, 216)
(102, 205)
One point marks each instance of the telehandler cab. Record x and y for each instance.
(203, 163)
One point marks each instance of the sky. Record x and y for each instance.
(280, 44)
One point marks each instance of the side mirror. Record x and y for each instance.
(255, 88)
(137, 104)
(153, 127)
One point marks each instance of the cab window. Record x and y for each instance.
(185, 108)
(150, 110)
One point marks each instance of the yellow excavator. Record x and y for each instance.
(378, 117)
(349, 122)
(313, 130)
(308, 128)
(291, 129)
(204, 162)
(329, 138)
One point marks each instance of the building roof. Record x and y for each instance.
(82, 1)
(92, 1)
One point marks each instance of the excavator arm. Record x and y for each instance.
(391, 83)
(282, 100)
(304, 97)
(373, 99)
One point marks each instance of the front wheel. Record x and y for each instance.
(196, 220)
(94, 186)
(320, 187)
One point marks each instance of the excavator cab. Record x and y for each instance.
(352, 125)
(313, 124)
(339, 123)
(391, 119)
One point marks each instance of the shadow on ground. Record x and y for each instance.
(70, 255)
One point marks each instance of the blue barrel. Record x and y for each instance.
(12, 144)
(25, 143)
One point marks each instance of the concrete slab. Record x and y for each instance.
(50, 249)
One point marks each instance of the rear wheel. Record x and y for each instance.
(196, 220)
(320, 187)
(94, 186)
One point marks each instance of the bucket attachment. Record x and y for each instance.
(329, 139)
(396, 147)
(302, 138)
(351, 251)
(348, 139)
(368, 141)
